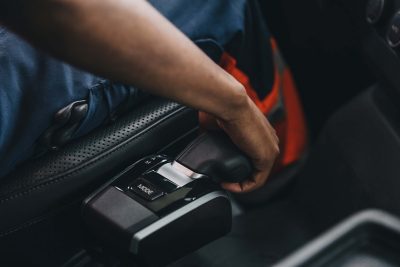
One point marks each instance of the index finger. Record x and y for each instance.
(249, 185)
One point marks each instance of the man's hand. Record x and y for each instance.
(252, 133)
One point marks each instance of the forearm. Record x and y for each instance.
(129, 41)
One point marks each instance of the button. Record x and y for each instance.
(393, 35)
(148, 163)
(159, 181)
(374, 10)
(145, 189)
(153, 160)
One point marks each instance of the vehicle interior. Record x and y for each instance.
(337, 207)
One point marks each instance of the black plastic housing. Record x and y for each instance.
(157, 232)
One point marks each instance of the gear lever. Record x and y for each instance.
(213, 154)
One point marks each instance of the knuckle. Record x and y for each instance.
(274, 150)
(277, 139)
(277, 150)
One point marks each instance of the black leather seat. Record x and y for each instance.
(39, 203)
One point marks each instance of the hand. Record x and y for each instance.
(252, 133)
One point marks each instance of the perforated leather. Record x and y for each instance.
(41, 184)
(73, 155)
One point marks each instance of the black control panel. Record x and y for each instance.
(142, 183)
(160, 208)
(156, 209)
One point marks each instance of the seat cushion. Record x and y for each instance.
(41, 186)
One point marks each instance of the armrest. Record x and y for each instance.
(43, 185)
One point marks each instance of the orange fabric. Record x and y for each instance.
(291, 130)
(296, 125)
(296, 134)
(228, 63)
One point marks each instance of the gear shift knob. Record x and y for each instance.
(213, 154)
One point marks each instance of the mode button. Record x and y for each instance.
(145, 189)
